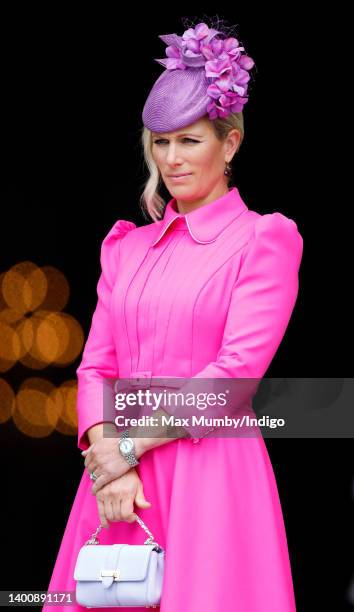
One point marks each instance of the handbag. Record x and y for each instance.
(119, 574)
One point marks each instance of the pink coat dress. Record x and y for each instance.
(206, 294)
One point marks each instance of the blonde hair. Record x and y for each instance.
(151, 202)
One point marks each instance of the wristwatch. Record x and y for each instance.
(127, 448)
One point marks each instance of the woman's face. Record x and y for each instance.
(194, 150)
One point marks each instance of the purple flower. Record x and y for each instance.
(187, 49)
(227, 103)
(223, 62)
(193, 38)
(216, 68)
(175, 58)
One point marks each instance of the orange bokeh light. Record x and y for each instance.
(35, 332)
(24, 287)
(7, 403)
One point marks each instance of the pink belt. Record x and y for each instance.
(144, 380)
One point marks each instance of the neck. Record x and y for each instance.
(184, 207)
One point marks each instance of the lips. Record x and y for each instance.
(176, 175)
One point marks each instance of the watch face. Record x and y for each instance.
(126, 446)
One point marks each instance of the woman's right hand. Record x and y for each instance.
(115, 500)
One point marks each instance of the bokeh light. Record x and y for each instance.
(35, 415)
(7, 401)
(36, 332)
(24, 287)
(67, 422)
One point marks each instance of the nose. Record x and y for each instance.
(172, 154)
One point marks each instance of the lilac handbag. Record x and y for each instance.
(110, 576)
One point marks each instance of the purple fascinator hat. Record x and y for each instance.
(206, 73)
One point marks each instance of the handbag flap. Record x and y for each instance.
(131, 561)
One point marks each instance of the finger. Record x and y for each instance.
(91, 464)
(90, 468)
(127, 509)
(93, 468)
(108, 509)
(88, 460)
(102, 480)
(93, 492)
(116, 504)
(99, 483)
(102, 514)
(87, 451)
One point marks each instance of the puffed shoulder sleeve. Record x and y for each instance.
(99, 356)
(262, 300)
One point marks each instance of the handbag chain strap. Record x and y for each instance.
(150, 540)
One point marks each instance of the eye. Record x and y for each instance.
(161, 140)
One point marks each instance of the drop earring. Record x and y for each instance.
(228, 169)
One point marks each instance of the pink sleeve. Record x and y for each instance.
(99, 359)
(261, 305)
(262, 302)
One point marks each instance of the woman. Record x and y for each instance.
(206, 292)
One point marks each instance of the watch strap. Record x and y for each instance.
(129, 457)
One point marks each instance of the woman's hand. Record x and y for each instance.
(115, 500)
(103, 458)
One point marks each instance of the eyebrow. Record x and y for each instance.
(181, 134)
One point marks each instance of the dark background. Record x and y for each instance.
(73, 89)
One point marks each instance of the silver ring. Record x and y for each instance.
(93, 476)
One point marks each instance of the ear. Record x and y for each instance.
(232, 142)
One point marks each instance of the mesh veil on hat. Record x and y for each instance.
(206, 73)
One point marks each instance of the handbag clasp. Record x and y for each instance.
(109, 574)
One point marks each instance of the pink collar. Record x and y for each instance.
(206, 222)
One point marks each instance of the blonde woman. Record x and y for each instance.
(204, 291)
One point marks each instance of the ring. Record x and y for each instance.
(93, 476)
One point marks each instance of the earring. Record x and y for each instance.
(228, 169)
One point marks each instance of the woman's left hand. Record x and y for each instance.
(104, 459)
